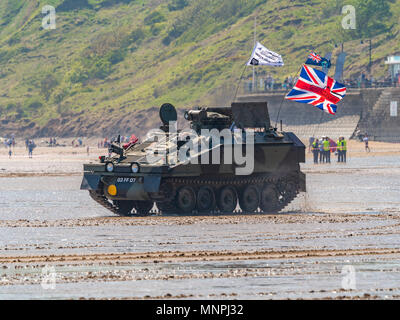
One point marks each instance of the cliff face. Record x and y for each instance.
(108, 65)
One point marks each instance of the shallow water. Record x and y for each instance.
(45, 198)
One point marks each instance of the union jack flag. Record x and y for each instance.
(316, 88)
(315, 57)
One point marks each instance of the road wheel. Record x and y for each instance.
(206, 199)
(249, 199)
(167, 190)
(143, 207)
(269, 199)
(186, 199)
(124, 207)
(288, 191)
(227, 199)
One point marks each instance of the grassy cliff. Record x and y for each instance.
(108, 61)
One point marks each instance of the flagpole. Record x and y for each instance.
(283, 99)
(255, 36)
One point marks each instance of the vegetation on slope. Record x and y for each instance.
(108, 58)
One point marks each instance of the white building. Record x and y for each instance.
(394, 67)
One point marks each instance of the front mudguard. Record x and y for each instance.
(91, 181)
(128, 188)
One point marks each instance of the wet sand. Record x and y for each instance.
(350, 218)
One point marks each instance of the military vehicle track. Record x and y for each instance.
(166, 200)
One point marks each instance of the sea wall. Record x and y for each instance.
(306, 120)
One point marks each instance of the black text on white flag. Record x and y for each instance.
(264, 57)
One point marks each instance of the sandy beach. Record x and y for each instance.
(68, 160)
(338, 241)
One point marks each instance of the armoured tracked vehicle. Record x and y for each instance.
(130, 183)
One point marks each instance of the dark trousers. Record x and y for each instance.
(315, 152)
(342, 156)
(322, 156)
(327, 156)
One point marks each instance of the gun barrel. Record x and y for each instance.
(116, 149)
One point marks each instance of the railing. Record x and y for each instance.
(283, 87)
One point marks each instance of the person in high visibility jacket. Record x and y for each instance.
(343, 146)
(342, 149)
(339, 149)
(321, 150)
(327, 150)
(315, 150)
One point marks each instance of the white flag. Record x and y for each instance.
(262, 56)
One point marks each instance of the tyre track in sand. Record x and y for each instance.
(185, 256)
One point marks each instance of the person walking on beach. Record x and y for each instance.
(367, 149)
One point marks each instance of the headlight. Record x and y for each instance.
(110, 167)
(135, 168)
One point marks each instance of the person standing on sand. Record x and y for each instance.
(339, 149)
(9, 144)
(344, 150)
(327, 150)
(315, 150)
(321, 151)
(310, 143)
(31, 146)
(367, 149)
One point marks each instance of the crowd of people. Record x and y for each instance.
(324, 147)
(267, 83)
(10, 143)
(53, 142)
(364, 81)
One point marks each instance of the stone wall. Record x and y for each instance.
(306, 120)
